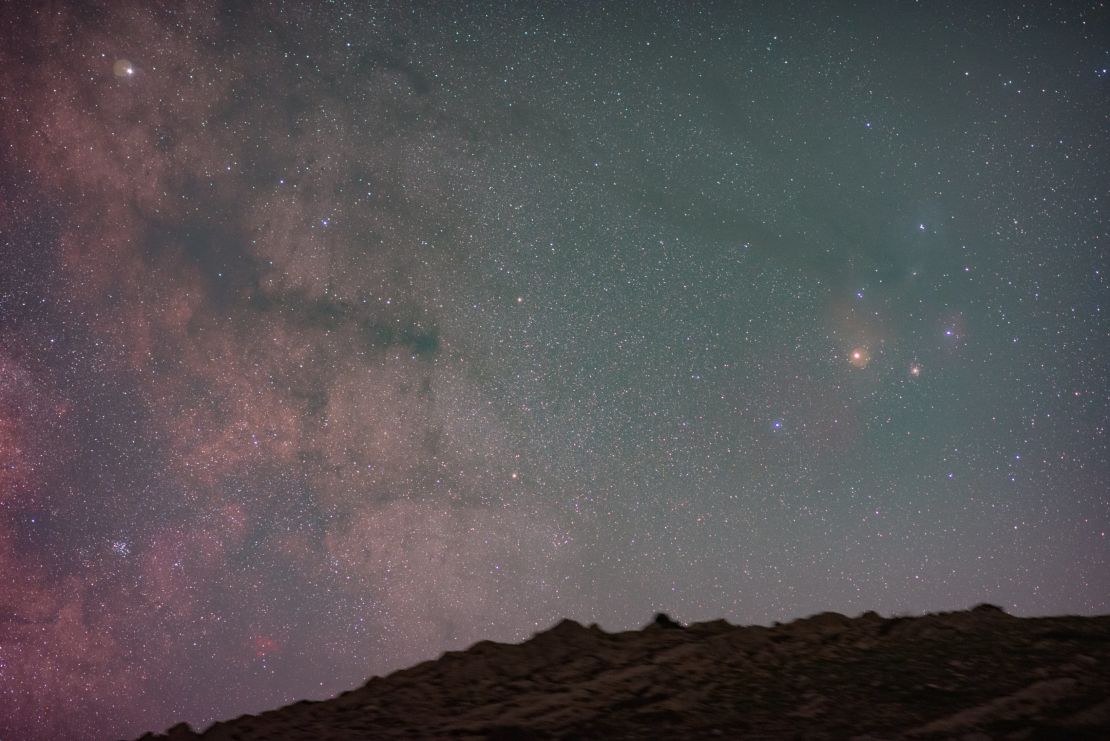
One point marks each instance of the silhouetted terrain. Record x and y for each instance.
(973, 675)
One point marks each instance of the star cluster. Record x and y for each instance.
(333, 336)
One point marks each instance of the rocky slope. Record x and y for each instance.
(973, 675)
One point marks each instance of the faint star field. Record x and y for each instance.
(333, 337)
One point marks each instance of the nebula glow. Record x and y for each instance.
(859, 357)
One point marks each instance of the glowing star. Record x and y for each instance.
(915, 370)
(859, 357)
(123, 68)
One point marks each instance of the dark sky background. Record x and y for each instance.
(334, 336)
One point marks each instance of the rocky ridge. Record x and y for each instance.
(974, 675)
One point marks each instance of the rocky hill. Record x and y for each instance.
(980, 674)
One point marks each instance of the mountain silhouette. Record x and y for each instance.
(976, 674)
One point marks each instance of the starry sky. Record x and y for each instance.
(337, 335)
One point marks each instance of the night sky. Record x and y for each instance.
(337, 335)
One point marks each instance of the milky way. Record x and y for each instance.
(336, 336)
